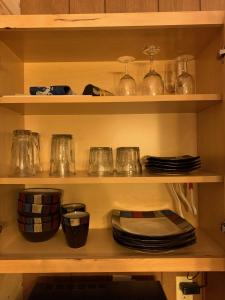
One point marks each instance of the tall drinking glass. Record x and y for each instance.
(62, 163)
(22, 159)
(36, 151)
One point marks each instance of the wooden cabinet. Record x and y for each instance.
(87, 6)
(44, 7)
(131, 6)
(78, 50)
(179, 5)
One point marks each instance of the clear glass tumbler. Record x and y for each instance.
(100, 161)
(128, 161)
(36, 151)
(62, 163)
(22, 159)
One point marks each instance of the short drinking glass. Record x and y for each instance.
(100, 161)
(128, 161)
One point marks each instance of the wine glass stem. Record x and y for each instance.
(151, 63)
(126, 68)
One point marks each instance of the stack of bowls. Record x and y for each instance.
(39, 213)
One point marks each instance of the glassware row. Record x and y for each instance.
(177, 78)
(25, 157)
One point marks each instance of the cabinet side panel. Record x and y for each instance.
(211, 140)
(11, 72)
(118, 6)
(215, 288)
(179, 5)
(212, 4)
(87, 6)
(31, 7)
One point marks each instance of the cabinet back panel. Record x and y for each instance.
(103, 74)
(157, 134)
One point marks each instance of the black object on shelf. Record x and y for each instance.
(92, 90)
(69, 289)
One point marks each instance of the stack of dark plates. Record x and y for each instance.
(152, 231)
(172, 165)
(39, 213)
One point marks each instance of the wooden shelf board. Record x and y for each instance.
(107, 20)
(102, 254)
(82, 177)
(79, 104)
(61, 37)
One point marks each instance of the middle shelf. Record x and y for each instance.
(102, 254)
(79, 104)
(82, 177)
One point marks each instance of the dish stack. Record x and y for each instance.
(152, 231)
(172, 165)
(39, 213)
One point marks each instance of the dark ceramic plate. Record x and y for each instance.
(173, 159)
(160, 224)
(169, 165)
(154, 249)
(151, 241)
(168, 170)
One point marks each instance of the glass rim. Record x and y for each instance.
(35, 133)
(128, 148)
(22, 131)
(76, 204)
(63, 135)
(100, 148)
(76, 215)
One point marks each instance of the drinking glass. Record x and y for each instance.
(62, 161)
(22, 159)
(128, 161)
(127, 84)
(185, 82)
(36, 151)
(152, 82)
(100, 161)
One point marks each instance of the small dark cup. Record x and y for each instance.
(72, 207)
(75, 226)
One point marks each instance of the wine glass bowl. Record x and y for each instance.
(127, 84)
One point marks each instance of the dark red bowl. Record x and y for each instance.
(31, 210)
(38, 232)
(41, 196)
(38, 220)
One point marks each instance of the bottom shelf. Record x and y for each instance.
(102, 254)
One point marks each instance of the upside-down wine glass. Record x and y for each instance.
(127, 84)
(152, 82)
(185, 82)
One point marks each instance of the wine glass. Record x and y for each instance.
(170, 77)
(127, 84)
(185, 82)
(152, 82)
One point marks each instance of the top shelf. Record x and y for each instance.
(79, 104)
(109, 21)
(51, 38)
